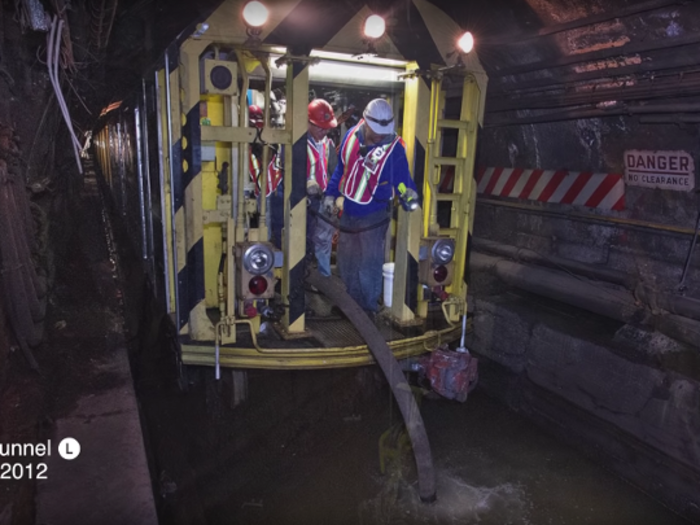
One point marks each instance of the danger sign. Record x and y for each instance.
(667, 170)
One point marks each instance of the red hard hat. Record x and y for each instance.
(255, 116)
(321, 114)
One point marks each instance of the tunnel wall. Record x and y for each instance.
(654, 256)
(571, 98)
(620, 394)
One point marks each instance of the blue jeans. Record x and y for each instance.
(361, 256)
(319, 237)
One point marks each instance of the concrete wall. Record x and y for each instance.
(628, 397)
(654, 257)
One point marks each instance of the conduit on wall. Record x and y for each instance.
(614, 303)
(654, 300)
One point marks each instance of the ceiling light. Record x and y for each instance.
(466, 42)
(374, 26)
(255, 14)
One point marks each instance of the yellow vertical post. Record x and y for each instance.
(406, 292)
(294, 237)
(465, 185)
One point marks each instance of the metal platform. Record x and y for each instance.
(340, 332)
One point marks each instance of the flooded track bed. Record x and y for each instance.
(305, 450)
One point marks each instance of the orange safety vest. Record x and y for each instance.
(254, 170)
(317, 163)
(361, 175)
(274, 174)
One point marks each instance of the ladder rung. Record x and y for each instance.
(450, 232)
(452, 124)
(447, 161)
(453, 197)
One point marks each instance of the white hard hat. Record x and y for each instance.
(379, 116)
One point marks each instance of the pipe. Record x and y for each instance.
(681, 284)
(658, 66)
(161, 190)
(600, 54)
(334, 289)
(617, 304)
(670, 119)
(171, 169)
(676, 304)
(585, 21)
(243, 150)
(141, 183)
(587, 217)
(262, 178)
(613, 303)
(53, 48)
(642, 91)
(530, 256)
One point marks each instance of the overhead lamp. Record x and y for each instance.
(374, 27)
(255, 16)
(466, 42)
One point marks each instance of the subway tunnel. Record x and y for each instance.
(149, 375)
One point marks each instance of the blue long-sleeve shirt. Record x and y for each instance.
(394, 173)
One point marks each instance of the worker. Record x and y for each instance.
(372, 168)
(274, 174)
(321, 160)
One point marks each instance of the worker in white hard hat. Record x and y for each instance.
(372, 169)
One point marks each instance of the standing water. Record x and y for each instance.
(307, 452)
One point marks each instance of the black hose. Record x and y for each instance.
(333, 288)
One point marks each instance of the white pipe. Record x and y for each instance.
(464, 331)
(52, 51)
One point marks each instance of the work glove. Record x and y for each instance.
(408, 197)
(312, 188)
(329, 205)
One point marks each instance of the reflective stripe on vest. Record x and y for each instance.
(317, 163)
(254, 170)
(361, 175)
(274, 174)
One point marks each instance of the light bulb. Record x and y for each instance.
(374, 26)
(255, 14)
(466, 42)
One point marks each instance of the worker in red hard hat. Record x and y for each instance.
(372, 168)
(256, 117)
(321, 161)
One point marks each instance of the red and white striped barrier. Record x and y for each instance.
(605, 191)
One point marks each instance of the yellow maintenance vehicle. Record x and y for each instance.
(178, 166)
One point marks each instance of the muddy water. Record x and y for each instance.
(320, 465)
(492, 468)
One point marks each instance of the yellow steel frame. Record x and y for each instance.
(463, 196)
(422, 111)
(307, 358)
(408, 229)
